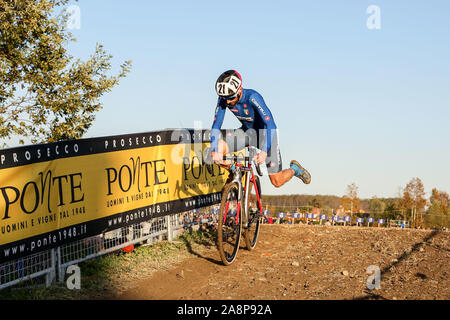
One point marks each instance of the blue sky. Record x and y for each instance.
(351, 104)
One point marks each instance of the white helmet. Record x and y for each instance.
(228, 84)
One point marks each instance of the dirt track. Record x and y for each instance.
(312, 262)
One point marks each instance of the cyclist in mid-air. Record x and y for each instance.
(258, 130)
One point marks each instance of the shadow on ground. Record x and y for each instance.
(405, 255)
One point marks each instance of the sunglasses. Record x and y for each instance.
(231, 97)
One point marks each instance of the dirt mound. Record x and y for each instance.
(312, 262)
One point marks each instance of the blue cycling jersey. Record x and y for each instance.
(251, 111)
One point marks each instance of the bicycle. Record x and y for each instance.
(239, 208)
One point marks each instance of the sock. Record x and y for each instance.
(296, 169)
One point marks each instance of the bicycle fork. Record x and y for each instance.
(239, 199)
(241, 210)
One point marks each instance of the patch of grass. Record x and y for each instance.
(206, 237)
(33, 292)
(104, 276)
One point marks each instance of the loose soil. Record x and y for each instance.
(310, 262)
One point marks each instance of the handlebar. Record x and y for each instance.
(236, 158)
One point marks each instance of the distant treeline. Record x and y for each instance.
(301, 200)
(325, 202)
(410, 205)
(437, 214)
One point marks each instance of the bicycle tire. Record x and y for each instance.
(252, 231)
(229, 226)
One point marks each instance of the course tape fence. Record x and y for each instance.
(51, 265)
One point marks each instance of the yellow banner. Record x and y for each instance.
(90, 186)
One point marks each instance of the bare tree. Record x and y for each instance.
(352, 194)
(414, 200)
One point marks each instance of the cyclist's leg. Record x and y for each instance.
(277, 175)
(280, 178)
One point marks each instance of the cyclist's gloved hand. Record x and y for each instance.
(260, 157)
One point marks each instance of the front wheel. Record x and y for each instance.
(229, 224)
(254, 213)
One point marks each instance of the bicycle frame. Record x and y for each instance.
(237, 189)
(247, 169)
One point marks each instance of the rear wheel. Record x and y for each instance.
(229, 224)
(254, 214)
